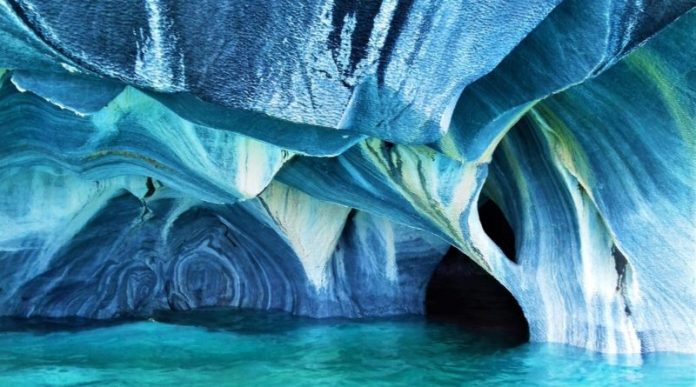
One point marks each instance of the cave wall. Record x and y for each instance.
(321, 158)
(124, 251)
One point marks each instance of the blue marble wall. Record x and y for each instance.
(321, 157)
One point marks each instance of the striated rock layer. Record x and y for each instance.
(322, 157)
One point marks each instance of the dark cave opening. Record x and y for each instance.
(460, 291)
(497, 227)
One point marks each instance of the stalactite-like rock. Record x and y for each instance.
(119, 252)
(576, 193)
(322, 157)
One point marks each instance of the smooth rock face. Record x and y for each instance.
(577, 41)
(322, 157)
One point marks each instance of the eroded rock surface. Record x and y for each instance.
(322, 157)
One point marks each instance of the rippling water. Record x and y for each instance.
(216, 347)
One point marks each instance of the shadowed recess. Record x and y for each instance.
(497, 227)
(461, 291)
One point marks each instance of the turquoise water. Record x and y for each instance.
(249, 348)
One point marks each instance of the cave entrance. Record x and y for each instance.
(460, 291)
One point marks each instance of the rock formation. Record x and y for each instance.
(321, 157)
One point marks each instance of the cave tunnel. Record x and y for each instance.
(462, 292)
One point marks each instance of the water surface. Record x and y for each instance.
(223, 347)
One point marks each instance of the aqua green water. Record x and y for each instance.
(248, 348)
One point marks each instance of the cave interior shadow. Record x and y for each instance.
(461, 292)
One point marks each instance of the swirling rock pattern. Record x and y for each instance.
(321, 157)
(132, 256)
(136, 134)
